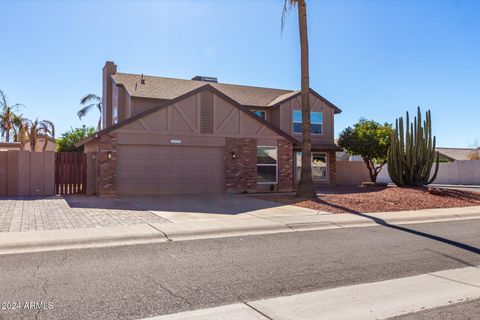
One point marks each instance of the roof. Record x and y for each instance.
(457, 153)
(169, 88)
(166, 103)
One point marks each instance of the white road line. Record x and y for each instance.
(376, 300)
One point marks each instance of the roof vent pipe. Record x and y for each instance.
(142, 80)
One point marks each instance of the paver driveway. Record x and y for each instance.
(55, 213)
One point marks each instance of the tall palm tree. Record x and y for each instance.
(7, 116)
(89, 102)
(305, 186)
(40, 129)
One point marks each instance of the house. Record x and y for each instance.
(163, 135)
(51, 145)
(453, 154)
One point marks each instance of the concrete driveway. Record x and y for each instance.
(200, 207)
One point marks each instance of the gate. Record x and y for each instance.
(70, 173)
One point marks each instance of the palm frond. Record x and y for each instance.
(91, 97)
(287, 7)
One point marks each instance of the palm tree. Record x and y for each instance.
(89, 102)
(305, 186)
(7, 116)
(40, 129)
(20, 130)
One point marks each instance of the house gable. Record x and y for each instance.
(183, 117)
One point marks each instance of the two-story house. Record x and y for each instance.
(163, 135)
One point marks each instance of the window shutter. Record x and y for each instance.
(206, 112)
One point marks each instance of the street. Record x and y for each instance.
(139, 281)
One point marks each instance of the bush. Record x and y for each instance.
(67, 141)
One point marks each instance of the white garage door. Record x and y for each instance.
(170, 169)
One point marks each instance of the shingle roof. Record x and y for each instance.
(170, 88)
(457, 153)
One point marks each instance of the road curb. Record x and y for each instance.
(160, 232)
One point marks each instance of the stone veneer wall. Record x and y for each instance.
(241, 170)
(107, 173)
(285, 166)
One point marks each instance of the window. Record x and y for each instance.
(115, 112)
(267, 164)
(260, 114)
(316, 122)
(319, 165)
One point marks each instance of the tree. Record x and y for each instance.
(20, 130)
(39, 129)
(305, 186)
(67, 141)
(89, 102)
(7, 116)
(370, 140)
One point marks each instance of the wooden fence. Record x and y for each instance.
(70, 173)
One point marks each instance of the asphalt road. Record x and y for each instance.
(132, 282)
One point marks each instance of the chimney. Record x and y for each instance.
(109, 69)
(205, 79)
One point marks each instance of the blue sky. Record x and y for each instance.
(372, 58)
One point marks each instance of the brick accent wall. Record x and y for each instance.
(242, 170)
(332, 162)
(107, 172)
(285, 166)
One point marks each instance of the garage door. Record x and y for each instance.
(170, 169)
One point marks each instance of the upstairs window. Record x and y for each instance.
(260, 114)
(316, 122)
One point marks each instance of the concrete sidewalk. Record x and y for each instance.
(257, 222)
(368, 301)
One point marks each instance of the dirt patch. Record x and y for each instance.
(380, 199)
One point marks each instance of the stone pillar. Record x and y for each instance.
(241, 164)
(285, 166)
(107, 167)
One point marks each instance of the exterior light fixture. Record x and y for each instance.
(233, 155)
(109, 155)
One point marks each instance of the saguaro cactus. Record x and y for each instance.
(412, 152)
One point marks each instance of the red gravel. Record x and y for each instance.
(380, 199)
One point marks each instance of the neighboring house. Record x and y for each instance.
(164, 135)
(453, 154)
(51, 145)
(5, 146)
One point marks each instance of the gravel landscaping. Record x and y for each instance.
(380, 199)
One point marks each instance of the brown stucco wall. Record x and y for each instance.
(282, 117)
(25, 173)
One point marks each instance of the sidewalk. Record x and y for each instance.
(257, 222)
(367, 301)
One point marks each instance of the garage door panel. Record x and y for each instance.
(170, 169)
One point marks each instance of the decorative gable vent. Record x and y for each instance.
(206, 112)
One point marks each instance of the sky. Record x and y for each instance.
(374, 59)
